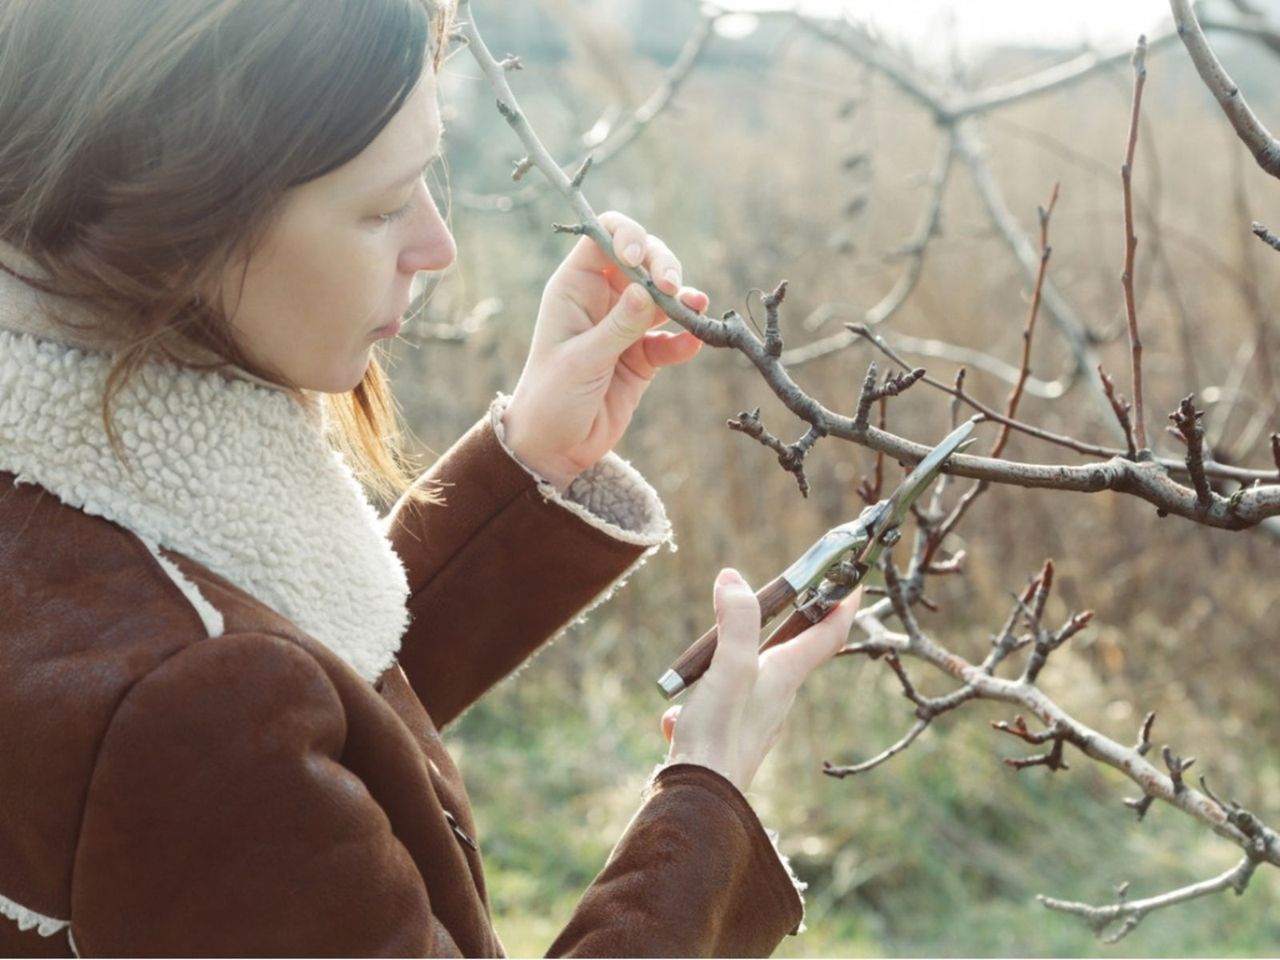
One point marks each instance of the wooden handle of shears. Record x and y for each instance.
(693, 663)
(801, 620)
(790, 628)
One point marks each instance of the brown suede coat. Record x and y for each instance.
(167, 793)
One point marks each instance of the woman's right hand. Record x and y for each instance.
(733, 716)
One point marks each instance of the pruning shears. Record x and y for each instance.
(829, 570)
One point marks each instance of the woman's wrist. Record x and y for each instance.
(558, 475)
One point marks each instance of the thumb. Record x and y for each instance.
(735, 663)
(622, 326)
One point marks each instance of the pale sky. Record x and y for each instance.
(924, 25)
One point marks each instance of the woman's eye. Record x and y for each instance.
(396, 214)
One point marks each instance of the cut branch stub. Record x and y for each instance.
(1266, 236)
(772, 333)
(1140, 806)
(1144, 735)
(1176, 765)
(1186, 419)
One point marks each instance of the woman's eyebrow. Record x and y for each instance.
(414, 175)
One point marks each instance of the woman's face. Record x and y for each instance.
(339, 261)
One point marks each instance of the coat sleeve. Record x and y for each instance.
(695, 875)
(505, 562)
(221, 821)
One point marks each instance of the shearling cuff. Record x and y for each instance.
(611, 496)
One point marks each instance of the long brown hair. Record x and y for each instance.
(145, 146)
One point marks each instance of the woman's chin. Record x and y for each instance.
(340, 381)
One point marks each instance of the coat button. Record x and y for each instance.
(459, 832)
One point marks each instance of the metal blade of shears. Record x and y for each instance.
(879, 523)
(829, 570)
(895, 509)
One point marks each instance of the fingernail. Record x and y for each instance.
(633, 254)
(672, 277)
(728, 576)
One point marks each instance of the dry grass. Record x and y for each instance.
(746, 182)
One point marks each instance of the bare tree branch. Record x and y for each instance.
(1048, 80)
(1260, 842)
(915, 247)
(1264, 147)
(1224, 471)
(790, 455)
(1069, 325)
(976, 359)
(840, 773)
(620, 137)
(1131, 913)
(1132, 472)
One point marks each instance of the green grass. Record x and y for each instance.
(939, 853)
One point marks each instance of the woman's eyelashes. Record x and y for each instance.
(396, 214)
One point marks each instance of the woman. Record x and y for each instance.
(222, 676)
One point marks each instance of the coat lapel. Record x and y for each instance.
(233, 474)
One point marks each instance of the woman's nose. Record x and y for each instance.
(431, 245)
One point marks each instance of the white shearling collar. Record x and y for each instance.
(230, 473)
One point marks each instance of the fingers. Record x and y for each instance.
(663, 266)
(624, 334)
(662, 348)
(622, 326)
(669, 722)
(635, 247)
(694, 299)
(801, 656)
(629, 238)
(735, 663)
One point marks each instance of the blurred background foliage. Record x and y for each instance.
(942, 850)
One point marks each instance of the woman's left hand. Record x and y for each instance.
(594, 352)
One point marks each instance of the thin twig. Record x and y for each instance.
(1131, 913)
(832, 770)
(1015, 394)
(915, 248)
(1131, 244)
(622, 136)
(1121, 407)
